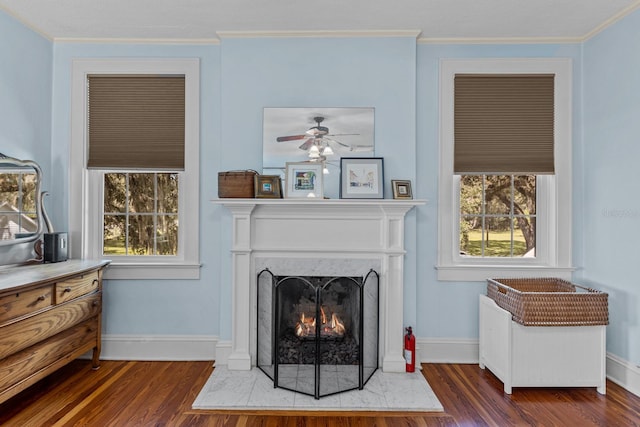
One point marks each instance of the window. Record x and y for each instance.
(499, 213)
(135, 189)
(140, 214)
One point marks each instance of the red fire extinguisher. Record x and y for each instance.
(410, 350)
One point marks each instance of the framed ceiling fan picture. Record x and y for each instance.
(313, 134)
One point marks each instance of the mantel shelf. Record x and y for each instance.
(321, 202)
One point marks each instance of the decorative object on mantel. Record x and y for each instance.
(304, 180)
(315, 134)
(361, 178)
(267, 187)
(401, 189)
(236, 184)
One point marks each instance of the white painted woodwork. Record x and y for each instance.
(317, 233)
(540, 356)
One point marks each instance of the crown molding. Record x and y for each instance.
(167, 41)
(615, 18)
(500, 40)
(318, 34)
(25, 23)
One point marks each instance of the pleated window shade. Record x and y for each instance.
(136, 122)
(504, 124)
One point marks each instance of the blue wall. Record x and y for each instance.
(25, 106)
(611, 150)
(399, 78)
(25, 93)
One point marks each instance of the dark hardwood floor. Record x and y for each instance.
(160, 394)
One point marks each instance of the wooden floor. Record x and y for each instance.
(161, 393)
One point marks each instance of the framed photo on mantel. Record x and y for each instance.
(361, 178)
(304, 180)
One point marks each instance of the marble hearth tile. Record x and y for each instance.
(229, 388)
(254, 390)
(264, 395)
(407, 391)
(309, 402)
(371, 396)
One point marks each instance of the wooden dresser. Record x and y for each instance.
(50, 314)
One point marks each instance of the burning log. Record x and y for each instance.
(333, 328)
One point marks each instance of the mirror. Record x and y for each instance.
(21, 213)
(315, 134)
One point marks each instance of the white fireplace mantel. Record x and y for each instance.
(308, 230)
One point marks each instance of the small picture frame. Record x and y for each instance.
(361, 178)
(304, 180)
(267, 187)
(401, 189)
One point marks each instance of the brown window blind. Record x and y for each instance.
(136, 122)
(504, 124)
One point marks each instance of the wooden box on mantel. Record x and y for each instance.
(236, 184)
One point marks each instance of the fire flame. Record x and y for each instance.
(306, 326)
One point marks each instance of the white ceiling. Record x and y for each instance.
(202, 20)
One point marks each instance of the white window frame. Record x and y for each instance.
(553, 205)
(86, 186)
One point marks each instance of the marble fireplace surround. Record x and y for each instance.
(316, 238)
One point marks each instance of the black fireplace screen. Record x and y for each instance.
(318, 335)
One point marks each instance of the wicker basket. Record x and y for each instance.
(236, 184)
(549, 302)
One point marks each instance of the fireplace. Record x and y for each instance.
(318, 334)
(322, 238)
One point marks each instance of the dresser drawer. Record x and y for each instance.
(23, 334)
(32, 360)
(76, 286)
(20, 303)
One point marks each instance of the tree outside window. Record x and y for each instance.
(498, 215)
(140, 214)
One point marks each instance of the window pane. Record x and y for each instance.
(526, 227)
(524, 198)
(168, 193)
(498, 237)
(141, 192)
(114, 235)
(167, 235)
(115, 192)
(471, 236)
(471, 194)
(141, 241)
(498, 194)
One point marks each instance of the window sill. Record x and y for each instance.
(148, 271)
(480, 273)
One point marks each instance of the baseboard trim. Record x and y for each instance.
(623, 373)
(158, 347)
(223, 351)
(445, 350)
(209, 347)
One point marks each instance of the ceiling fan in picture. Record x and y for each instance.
(319, 142)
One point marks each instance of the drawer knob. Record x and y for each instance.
(67, 289)
(41, 298)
